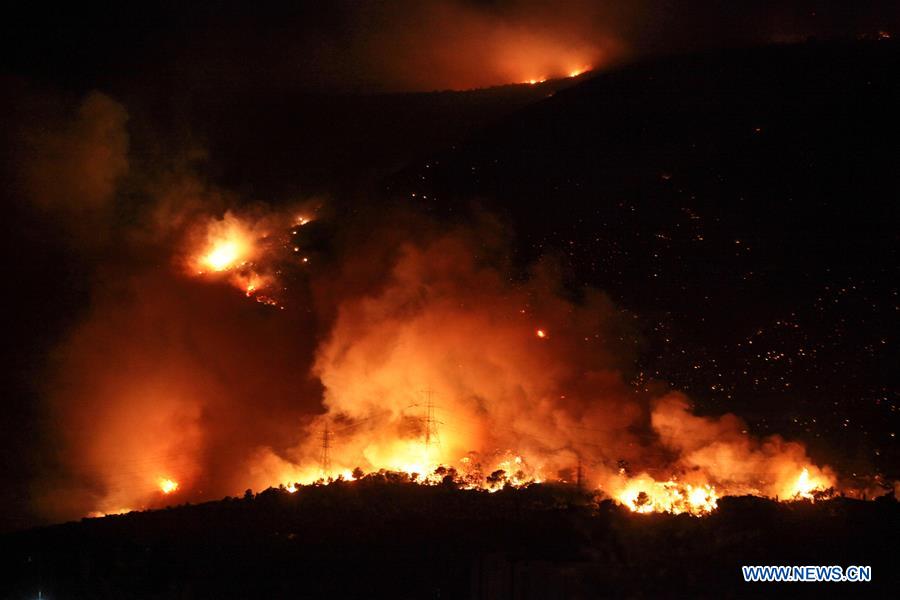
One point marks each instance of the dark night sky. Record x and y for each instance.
(227, 47)
(284, 98)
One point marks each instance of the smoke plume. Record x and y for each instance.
(225, 348)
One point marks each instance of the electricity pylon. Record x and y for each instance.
(431, 424)
(325, 459)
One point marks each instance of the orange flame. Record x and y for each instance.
(228, 243)
(224, 255)
(643, 494)
(167, 486)
(805, 486)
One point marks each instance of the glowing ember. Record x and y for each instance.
(167, 486)
(541, 333)
(251, 282)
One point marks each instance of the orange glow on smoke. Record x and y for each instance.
(570, 73)
(502, 411)
(433, 374)
(528, 57)
(579, 71)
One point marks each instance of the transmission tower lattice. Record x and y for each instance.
(325, 459)
(431, 424)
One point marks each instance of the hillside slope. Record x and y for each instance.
(742, 204)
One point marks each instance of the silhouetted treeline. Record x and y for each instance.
(384, 538)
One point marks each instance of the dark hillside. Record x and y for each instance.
(743, 203)
(377, 538)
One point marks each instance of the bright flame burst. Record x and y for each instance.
(245, 251)
(223, 256)
(229, 243)
(645, 495)
(167, 486)
(806, 486)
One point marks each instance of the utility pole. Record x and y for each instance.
(326, 458)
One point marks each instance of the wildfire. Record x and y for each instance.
(575, 72)
(223, 255)
(243, 252)
(228, 243)
(498, 412)
(645, 495)
(579, 71)
(96, 514)
(642, 494)
(251, 282)
(806, 486)
(167, 486)
(425, 459)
